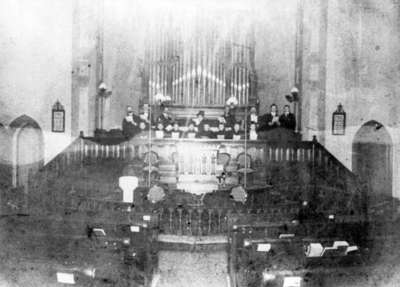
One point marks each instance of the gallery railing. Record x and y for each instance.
(300, 170)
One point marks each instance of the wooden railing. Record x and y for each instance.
(298, 170)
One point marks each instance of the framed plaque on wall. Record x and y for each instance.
(58, 118)
(339, 121)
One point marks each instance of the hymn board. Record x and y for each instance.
(200, 61)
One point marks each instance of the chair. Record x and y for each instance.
(244, 163)
(223, 159)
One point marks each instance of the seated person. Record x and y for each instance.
(228, 118)
(270, 120)
(206, 133)
(159, 133)
(222, 133)
(252, 133)
(144, 130)
(130, 124)
(175, 132)
(199, 121)
(191, 131)
(252, 118)
(165, 118)
(287, 120)
(144, 115)
(236, 132)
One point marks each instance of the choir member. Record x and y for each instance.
(199, 122)
(228, 118)
(175, 132)
(144, 115)
(236, 132)
(222, 133)
(144, 130)
(270, 120)
(253, 132)
(206, 133)
(287, 120)
(191, 131)
(130, 124)
(165, 118)
(160, 130)
(252, 118)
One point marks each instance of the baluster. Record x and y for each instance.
(219, 220)
(199, 212)
(123, 151)
(170, 210)
(227, 218)
(209, 220)
(180, 221)
(189, 223)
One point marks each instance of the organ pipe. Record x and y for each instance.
(195, 72)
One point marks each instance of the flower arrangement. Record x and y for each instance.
(232, 101)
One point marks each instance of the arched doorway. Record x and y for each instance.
(372, 157)
(5, 169)
(27, 146)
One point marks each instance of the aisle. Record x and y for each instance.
(187, 269)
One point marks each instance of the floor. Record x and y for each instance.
(31, 256)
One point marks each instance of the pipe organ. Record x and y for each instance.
(200, 70)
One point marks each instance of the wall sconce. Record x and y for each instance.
(103, 90)
(128, 184)
(293, 96)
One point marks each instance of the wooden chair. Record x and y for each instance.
(223, 159)
(244, 164)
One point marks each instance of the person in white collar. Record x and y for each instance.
(130, 124)
(252, 118)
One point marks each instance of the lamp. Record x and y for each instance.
(102, 94)
(128, 184)
(293, 96)
(103, 90)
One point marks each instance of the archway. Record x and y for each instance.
(27, 149)
(372, 157)
(5, 168)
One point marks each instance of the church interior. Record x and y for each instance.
(200, 143)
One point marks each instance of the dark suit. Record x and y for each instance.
(288, 121)
(165, 119)
(206, 134)
(265, 123)
(230, 120)
(200, 126)
(130, 128)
